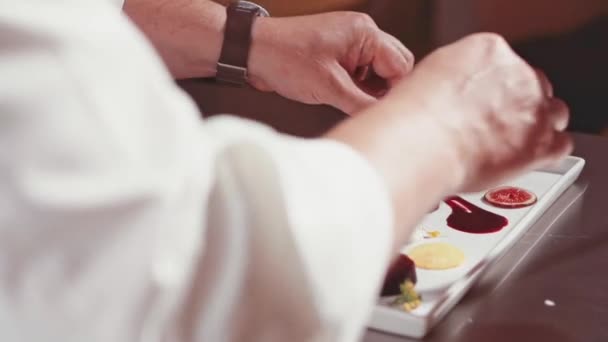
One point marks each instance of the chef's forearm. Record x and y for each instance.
(188, 34)
(400, 141)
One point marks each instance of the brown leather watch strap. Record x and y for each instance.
(232, 66)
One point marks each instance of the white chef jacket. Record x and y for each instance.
(125, 217)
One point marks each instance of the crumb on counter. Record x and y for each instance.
(433, 234)
(549, 302)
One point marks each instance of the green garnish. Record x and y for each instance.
(409, 299)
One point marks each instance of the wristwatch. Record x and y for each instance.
(240, 16)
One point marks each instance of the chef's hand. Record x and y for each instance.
(470, 115)
(497, 111)
(341, 59)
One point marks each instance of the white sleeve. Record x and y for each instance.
(124, 217)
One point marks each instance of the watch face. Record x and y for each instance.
(250, 5)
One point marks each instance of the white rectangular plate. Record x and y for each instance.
(441, 290)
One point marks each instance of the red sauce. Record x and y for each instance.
(469, 218)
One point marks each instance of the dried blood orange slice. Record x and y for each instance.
(510, 197)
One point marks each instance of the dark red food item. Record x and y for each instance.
(470, 218)
(402, 269)
(510, 197)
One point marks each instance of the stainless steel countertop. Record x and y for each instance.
(562, 258)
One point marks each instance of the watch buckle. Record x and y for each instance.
(231, 74)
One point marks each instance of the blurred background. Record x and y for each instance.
(568, 39)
